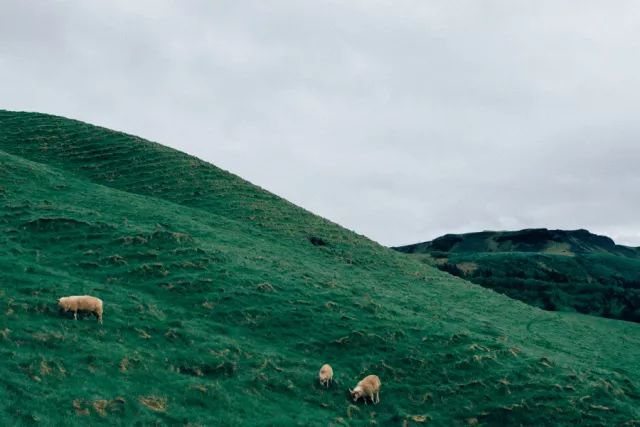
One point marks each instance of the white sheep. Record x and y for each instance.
(77, 303)
(325, 375)
(369, 387)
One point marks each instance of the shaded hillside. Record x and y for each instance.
(551, 269)
(222, 301)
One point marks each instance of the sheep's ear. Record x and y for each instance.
(350, 391)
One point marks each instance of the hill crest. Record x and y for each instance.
(542, 240)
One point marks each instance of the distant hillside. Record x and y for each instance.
(552, 269)
(223, 300)
(560, 242)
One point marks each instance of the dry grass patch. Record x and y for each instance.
(45, 369)
(199, 387)
(467, 268)
(155, 403)
(143, 334)
(77, 405)
(4, 333)
(101, 407)
(124, 364)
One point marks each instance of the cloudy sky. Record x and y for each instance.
(402, 120)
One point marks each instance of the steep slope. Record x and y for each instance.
(551, 269)
(222, 301)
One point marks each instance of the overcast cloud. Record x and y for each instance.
(401, 120)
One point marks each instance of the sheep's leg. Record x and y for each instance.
(75, 315)
(377, 397)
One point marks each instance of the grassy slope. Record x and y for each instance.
(219, 310)
(551, 269)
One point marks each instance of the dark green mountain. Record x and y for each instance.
(222, 301)
(552, 269)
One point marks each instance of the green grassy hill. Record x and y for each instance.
(551, 269)
(222, 301)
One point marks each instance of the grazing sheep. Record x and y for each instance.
(369, 387)
(325, 375)
(81, 303)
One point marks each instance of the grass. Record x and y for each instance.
(222, 301)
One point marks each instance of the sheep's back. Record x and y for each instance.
(86, 302)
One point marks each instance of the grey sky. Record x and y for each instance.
(401, 120)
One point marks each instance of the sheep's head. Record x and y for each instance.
(61, 304)
(356, 393)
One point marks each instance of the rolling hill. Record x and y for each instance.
(222, 301)
(552, 269)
